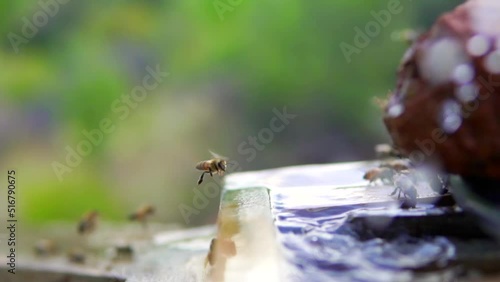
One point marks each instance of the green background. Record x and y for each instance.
(227, 74)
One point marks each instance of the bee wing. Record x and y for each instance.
(215, 155)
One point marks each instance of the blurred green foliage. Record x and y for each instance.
(226, 77)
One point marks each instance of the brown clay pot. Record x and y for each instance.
(446, 106)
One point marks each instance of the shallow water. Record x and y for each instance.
(322, 248)
(333, 225)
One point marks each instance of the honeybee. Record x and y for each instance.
(218, 165)
(211, 253)
(383, 174)
(88, 222)
(123, 253)
(405, 185)
(142, 214)
(77, 255)
(224, 247)
(45, 247)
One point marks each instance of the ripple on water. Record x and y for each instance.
(323, 253)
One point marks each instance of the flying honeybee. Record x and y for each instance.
(88, 222)
(218, 165)
(142, 214)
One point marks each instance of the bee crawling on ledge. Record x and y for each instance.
(220, 248)
(88, 222)
(142, 214)
(406, 186)
(77, 256)
(45, 247)
(383, 174)
(218, 165)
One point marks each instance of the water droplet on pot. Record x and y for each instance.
(478, 45)
(451, 116)
(449, 53)
(492, 62)
(395, 110)
(463, 73)
(467, 93)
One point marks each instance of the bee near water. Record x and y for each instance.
(88, 222)
(216, 165)
(142, 214)
(400, 172)
(342, 229)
